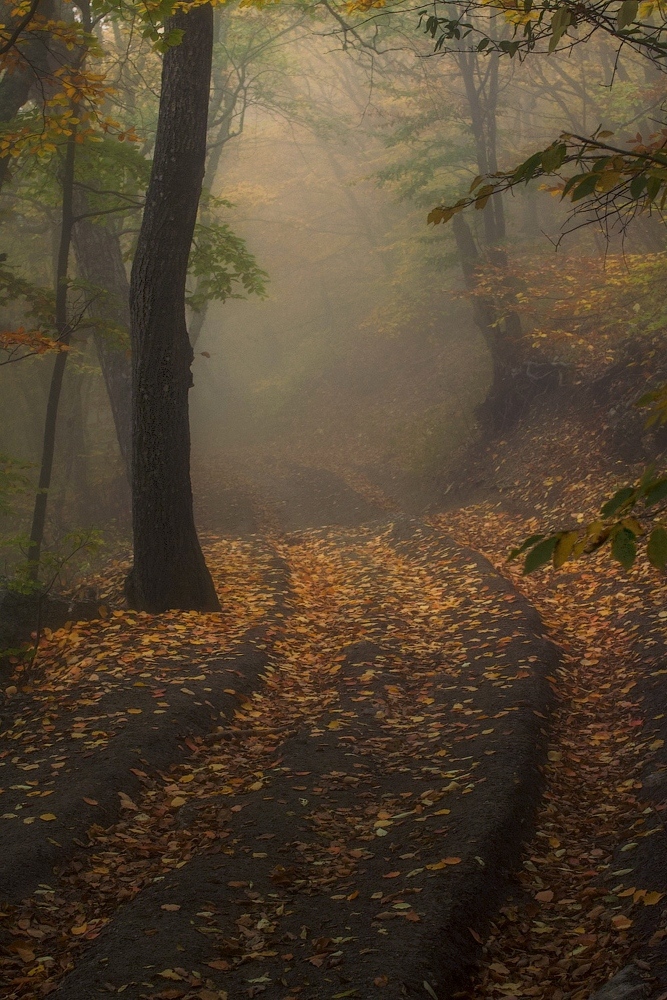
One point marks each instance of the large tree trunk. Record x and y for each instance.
(169, 569)
(99, 259)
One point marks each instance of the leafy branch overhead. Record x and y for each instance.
(548, 25)
(610, 179)
(615, 178)
(625, 518)
(223, 266)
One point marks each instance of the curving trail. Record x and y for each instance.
(324, 792)
(345, 827)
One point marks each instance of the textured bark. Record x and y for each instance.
(99, 261)
(169, 569)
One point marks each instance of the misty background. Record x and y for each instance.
(358, 351)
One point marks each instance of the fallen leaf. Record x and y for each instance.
(651, 898)
(621, 922)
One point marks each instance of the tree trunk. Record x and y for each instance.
(64, 333)
(169, 569)
(500, 406)
(99, 259)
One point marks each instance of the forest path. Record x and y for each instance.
(352, 822)
(349, 824)
(594, 888)
(589, 906)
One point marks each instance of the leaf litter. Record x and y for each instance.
(329, 812)
(579, 911)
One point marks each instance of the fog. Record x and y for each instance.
(332, 499)
(366, 351)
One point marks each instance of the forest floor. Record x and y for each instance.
(324, 791)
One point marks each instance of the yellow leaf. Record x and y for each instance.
(621, 922)
(651, 898)
(79, 929)
(564, 547)
(608, 180)
(443, 864)
(170, 974)
(47, 817)
(178, 801)
(336, 724)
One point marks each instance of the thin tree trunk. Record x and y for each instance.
(169, 569)
(64, 333)
(99, 259)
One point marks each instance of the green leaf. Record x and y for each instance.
(619, 499)
(570, 183)
(627, 13)
(223, 267)
(525, 545)
(648, 397)
(553, 157)
(656, 548)
(637, 185)
(585, 187)
(560, 22)
(541, 554)
(528, 168)
(656, 492)
(624, 548)
(653, 185)
(646, 481)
